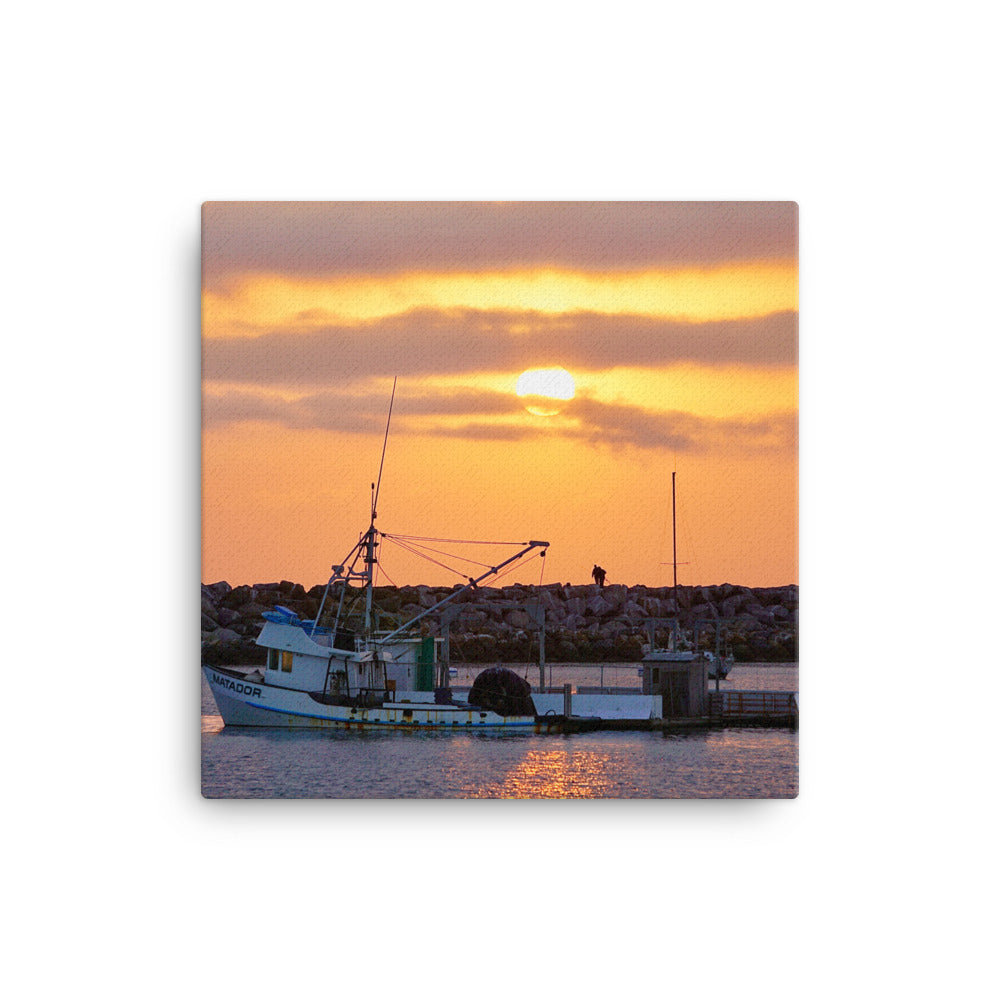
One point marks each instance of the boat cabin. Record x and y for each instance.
(306, 657)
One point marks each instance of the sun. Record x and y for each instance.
(545, 390)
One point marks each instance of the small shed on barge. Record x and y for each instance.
(682, 683)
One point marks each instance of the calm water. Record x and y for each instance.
(716, 763)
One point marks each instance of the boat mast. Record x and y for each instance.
(673, 502)
(369, 574)
(673, 505)
(370, 542)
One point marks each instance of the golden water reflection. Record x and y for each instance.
(211, 724)
(558, 774)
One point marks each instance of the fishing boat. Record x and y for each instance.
(341, 669)
(329, 676)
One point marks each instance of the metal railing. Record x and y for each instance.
(753, 704)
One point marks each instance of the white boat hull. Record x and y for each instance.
(244, 702)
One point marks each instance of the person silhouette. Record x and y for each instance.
(598, 574)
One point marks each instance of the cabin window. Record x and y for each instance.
(272, 659)
(286, 661)
(656, 675)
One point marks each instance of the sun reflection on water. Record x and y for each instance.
(555, 774)
(211, 724)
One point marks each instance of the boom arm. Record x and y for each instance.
(468, 586)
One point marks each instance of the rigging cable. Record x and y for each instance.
(518, 565)
(452, 569)
(382, 572)
(451, 555)
(384, 443)
(421, 555)
(451, 541)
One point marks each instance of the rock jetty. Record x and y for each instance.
(583, 623)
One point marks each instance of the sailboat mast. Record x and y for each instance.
(673, 508)
(673, 503)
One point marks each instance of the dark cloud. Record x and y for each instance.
(615, 424)
(326, 238)
(596, 423)
(330, 411)
(454, 342)
(355, 411)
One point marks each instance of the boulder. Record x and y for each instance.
(237, 597)
(224, 635)
(616, 595)
(427, 598)
(473, 618)
(653, 606)
(215, 591)
(598, 607)
(550, 602)
(708, 595)
(517, 619)
(731, 605)
(633, 612)
(226, 617)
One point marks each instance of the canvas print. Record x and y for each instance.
(499, 500)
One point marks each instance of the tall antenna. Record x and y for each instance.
(384, 443)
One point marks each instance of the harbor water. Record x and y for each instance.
(391, 764)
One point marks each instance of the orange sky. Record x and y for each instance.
(677, 321)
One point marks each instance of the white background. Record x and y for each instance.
(878, 119)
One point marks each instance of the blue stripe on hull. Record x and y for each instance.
(393, 725)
